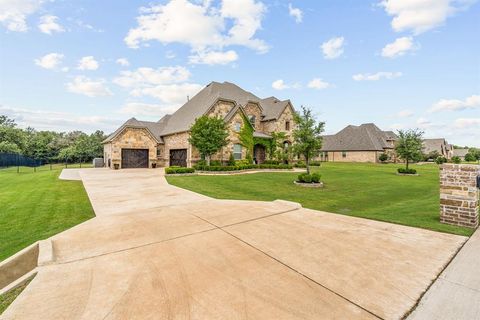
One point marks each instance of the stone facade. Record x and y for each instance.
(459, 195)
(280, 125)
(130, 138)
(177, 141)
(350, 156)
(252, 109)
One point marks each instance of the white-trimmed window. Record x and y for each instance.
(238, 126)
(237, 151)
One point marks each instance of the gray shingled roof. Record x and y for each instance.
(430, 145)
(366, 137)
(198, 105)
(155, 128)
(460, 152)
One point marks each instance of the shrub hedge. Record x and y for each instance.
(178, 170)
(406, 171)
(242, 167)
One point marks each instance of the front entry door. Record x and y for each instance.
(178, 157)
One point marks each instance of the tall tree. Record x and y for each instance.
(208, 135)
(307, 135)
(409, 145)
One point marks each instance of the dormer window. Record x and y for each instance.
(252, 120)
(238, 126)
(287, 125)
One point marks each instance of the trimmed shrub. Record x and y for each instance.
(215, 163)
(406, 171)
(271, 162)
(383, 157)
(456, 159)
(440, 160)
(178, 170)
(231, 160)
(316, 177)
(201, 162)
(242, 167)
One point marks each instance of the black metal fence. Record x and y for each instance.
(18, 160)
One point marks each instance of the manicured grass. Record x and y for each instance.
(372, 191)
(37, 205)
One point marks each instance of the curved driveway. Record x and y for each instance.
(156, 251)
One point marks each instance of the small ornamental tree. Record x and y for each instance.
(409, 145)
(473, 155)
(208, 135)
(307, 135)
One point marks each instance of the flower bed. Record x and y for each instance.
(309, 180)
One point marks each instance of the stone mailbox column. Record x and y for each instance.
(459, 195)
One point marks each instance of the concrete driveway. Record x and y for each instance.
(155, 251)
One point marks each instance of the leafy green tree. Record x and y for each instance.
(473, 155)
(208, 135)
(307, 135)
(9, 147)
(409, 145)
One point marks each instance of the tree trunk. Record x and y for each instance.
(307, 163)
(207, 158)
(406, 163)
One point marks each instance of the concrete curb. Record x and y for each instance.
(18, 265)
(45, 252)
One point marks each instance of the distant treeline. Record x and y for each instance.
(49, 146)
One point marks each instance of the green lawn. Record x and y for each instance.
(371, 191)
(37, 205)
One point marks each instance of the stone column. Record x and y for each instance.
(459, 195)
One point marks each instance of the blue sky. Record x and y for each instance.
(90, 65)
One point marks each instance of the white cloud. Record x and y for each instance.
(170, 55)
(48, 24)
(279, 85)
(144, 76)
(146, 109)
(170, 94)
(58, 121)
(14, 13)
(399, 47)
(88, 87)
(87, 63)
(50, 61)
(123, 62)
(201, 26)
(376, 76)
(318, 84)
(213, 57)
(296, 13)
(404, 114)
(462, 123)
(333, 48)
(455, 104)
(419, 16)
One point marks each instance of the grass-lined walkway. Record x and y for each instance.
(37, 205)
(371, 191)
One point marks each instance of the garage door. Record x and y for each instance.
(178, 157)
(134, 158)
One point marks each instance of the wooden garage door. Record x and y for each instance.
(178, 157)
(134, 158)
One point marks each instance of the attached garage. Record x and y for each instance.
(178, 157)
(134, 158)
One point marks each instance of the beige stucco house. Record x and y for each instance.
(145, 144)
(362, 143)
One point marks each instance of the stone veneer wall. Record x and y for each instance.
(131, 138)
(354, 156)
(459, 196)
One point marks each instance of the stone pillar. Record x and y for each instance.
(459, 195)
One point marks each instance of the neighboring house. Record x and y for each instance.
(362, 143)
(144, 144)
(439, 145)
(461, 153)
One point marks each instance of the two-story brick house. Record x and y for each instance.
(143, 144)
